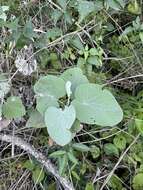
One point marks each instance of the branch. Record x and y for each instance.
(39, 157)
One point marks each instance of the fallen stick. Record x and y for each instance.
(67, 185)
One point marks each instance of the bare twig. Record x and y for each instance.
(122, 79)
(39, 157)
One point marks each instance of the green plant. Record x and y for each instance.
(61, 100)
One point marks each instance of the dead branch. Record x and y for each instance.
(39, 157)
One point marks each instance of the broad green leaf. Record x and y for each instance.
(81, 147)
(51, 86)
(85, 8)
(58, 153)
(95, 105)
(13, 108)
(35, 120)
(95, 151)
(48, 90)
(59, 122)
(75, 76)
(138, 181)
(110, 149)
(120, 141)
(44, 102)
(38, 175)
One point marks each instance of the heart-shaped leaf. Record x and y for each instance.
(59, 122)
(50, 86)
(75, 76)
(96, 106)
(48, 90)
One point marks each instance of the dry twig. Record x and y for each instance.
(39, 157)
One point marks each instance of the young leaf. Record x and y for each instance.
(80, 147)
(120, 142)
(58, 153)
(134, 8)
(75, 76)
(68, 88)
(95, 151)
(95, 105)
(59, 122)
(110, 149)
(13, 108)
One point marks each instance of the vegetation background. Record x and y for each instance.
(104, 38)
